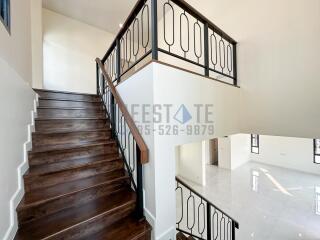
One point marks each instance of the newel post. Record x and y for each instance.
(235, 73)
(139, 207)
(154, 29)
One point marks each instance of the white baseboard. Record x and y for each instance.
(23, 167)
(170, 234)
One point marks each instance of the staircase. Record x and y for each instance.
(77, 186)
(181, 236)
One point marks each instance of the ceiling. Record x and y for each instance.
(103, 14)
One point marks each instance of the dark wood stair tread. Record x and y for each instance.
(64, 125)
(72, 131)
(56, 191)
(64, 147)
(71, 100)
(71, 118)
(77, 186)
(67, 219)
(126, 229)
(182, 236)
(71, 164)
(99, 108)
(64, 92)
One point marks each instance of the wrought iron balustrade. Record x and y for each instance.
(199, 218)
(172, 31)
(132, 147)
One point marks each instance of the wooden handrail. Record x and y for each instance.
(131, 124)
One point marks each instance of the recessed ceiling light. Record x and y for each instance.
(120, 25)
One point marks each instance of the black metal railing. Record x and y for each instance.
(132, 148)
(199, 218)
(171, 29)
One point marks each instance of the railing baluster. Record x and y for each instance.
(98, 77)
(235, 74)
(206, 50)
(118, 61)
(217, 225)
(154, 29)
(112, 115)
(208, 221)
(139, 185)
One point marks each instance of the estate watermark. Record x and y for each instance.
(173, 120)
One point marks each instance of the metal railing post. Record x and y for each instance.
(97, 69)
(206, 49)
(235, 73)
(103, 86)
(112, 115)
(208, 221)
(118, 63)
(233, 230)
(154, 29)
(139, 207)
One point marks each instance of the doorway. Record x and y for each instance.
(214, 156)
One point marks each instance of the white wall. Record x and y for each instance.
(192, 162)
(37, 43)
(167, 85)
(278, 62)
(292, 153)
(132, 92)
(16, 102)
(224, 152)
(15, 47)
(70, 48)
(240, 149)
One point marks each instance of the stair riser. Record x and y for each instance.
(41, 140)
(64, 202)
(57, 156)
(69, 104)
(67, 96)
(95, 225)
(68, 113)
(69, 125)
(32, 182)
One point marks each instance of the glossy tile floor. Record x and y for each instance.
(270, 203)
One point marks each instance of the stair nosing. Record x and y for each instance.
(42, 201)
(73, 108)
(137, 235)
(64, 92)
(28, 175)
(72, 131)
(103, 213)
(90, 219)
(68, 118)
(70, 100)
(110, 142)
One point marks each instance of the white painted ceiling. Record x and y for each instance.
(103, 14)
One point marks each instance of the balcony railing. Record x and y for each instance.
(199, 218)
(172, 31)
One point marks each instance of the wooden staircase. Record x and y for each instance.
(182, 236)
(76, 186)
